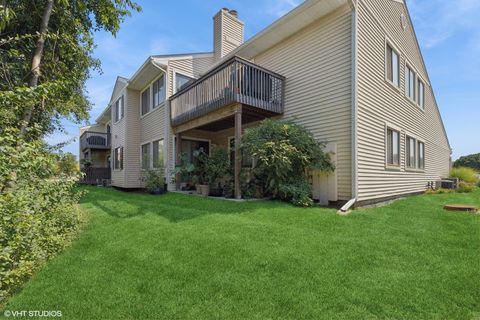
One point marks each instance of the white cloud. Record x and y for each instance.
(279, 8)
(439, 20)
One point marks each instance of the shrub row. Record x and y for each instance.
(39, 211)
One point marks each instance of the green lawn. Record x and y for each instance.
(184, 257)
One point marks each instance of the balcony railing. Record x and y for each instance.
(95, 140)
(234, 81)
(96, 175)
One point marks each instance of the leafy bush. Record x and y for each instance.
(282, 150)
(467, 175)
(296, 191)
(470, 161)
(464, 187)
(248, 183)
(39, 212)
(440, 191)
(215, 166)
(153, 179)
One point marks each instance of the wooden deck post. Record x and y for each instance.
(178, 159)
(238, 154)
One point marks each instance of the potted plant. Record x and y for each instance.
(201, 169)
(86, 163)
(154, 181)
(186, 171)
(195, 181)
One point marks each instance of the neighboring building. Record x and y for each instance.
(350, 71)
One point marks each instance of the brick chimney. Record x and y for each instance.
(228, 32)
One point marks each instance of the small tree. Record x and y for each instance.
(470, 161)
(67, 164)
(284, 151)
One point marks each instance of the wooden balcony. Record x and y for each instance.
(95, 140)
(236, 81)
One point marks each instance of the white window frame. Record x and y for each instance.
(388, 165)
(149, 99)
(119, 109)
(161, 99)
(120, 161)
(150, 86)
(418, 154)
(150, 161)
(388, 44)
(149, 164)
(408, 151)
(408, 74)
(420, 100)
(163, 151)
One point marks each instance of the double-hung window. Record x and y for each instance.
(421, 155)
(118, 158)
(145, 101)
(119, 109)
(157, 154)
(393, 66)
(411, 158)
(393, 147)
(410, 83)
(158, 91)
(421, 95)
(146, 156)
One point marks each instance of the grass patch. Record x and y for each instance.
(183, 257)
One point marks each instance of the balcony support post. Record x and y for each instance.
(178, 160)
(238, 154)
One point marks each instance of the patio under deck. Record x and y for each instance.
(236, 92)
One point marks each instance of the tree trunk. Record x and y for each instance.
(36, 60)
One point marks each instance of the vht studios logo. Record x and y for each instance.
(32, 313)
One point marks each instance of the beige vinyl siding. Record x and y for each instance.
(228, 34)
(132, 147)
(317, 64)
(381, 104)
(191, 67)
(118, 140)
(153, 124)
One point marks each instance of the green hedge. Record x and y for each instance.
(39, 210)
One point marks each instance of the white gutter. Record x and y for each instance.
(160, 67)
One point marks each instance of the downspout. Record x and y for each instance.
(345, 209)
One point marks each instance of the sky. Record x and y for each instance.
(448, 32)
